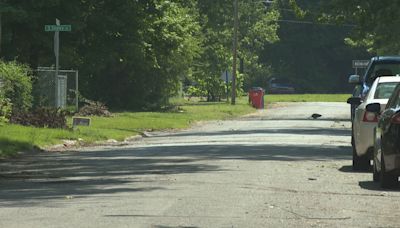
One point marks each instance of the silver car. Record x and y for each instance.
(365, 122)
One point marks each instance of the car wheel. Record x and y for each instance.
(388, 180)
(377, 147)
(360, 163)
(376, 174)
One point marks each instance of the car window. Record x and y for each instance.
(394, 101)
(385, 90)
(382, 69)
(397, 100)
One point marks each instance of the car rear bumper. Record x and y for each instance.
(365, 138)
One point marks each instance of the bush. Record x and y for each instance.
(5, 109)
(16, 85)
(41, 117)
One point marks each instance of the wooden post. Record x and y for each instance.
(235, 44)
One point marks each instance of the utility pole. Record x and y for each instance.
(235, 44)
(57, 54)
(0, 34)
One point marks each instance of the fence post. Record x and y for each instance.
(77, 90)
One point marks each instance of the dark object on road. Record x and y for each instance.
(280, 86)
(316, 116)
(387, 141)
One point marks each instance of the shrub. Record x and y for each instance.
(41, 117)
(16, 85)
(5, 109)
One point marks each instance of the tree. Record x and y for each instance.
(257, 26)
(376, 27)
(311, 53)
(131, 54)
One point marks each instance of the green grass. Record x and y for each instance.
(271, 98)
(15, 138)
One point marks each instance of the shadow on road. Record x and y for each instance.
(31, 179)
(280, 118)
(317, 131)
(374, 186)
(349, 169)
(7, 145)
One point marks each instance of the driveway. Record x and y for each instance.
(274, 168)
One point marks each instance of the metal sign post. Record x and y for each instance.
(57, 28)
(226, 77)
(360, 64)
(57, 54)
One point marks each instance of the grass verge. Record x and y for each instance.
(14, 138)
(272, 98)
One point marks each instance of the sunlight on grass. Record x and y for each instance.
(122, 125)
(15, 138)
(271, 98)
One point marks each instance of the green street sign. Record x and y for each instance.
(57, 28)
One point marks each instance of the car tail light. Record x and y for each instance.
(396, 119)
(370, 117)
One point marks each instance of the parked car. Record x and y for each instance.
(280, 86)
(379, 66)
(386, 168)
(365, 122)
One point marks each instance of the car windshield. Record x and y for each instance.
(385, 90)
(383, 69)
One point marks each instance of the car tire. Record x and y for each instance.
(376, 175)
(388, 180)
(360, 163)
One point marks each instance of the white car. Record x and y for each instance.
(365, 122)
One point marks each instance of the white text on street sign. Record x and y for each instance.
(360, 63)
(57, 28)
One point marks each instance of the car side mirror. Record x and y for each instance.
(374, 107)
(354, 100)
(355, 79)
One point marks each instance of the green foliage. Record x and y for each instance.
(16, 85)
(130, 54)
(376, 27)
(257, 26)
(311, 55)
(5, 109)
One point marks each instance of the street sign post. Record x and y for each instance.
(227, 77)
(360, 64)
(57, 28)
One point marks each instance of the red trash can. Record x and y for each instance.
(256, 97)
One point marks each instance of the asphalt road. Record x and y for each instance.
(275, 168)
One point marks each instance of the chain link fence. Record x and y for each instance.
(61, 91)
